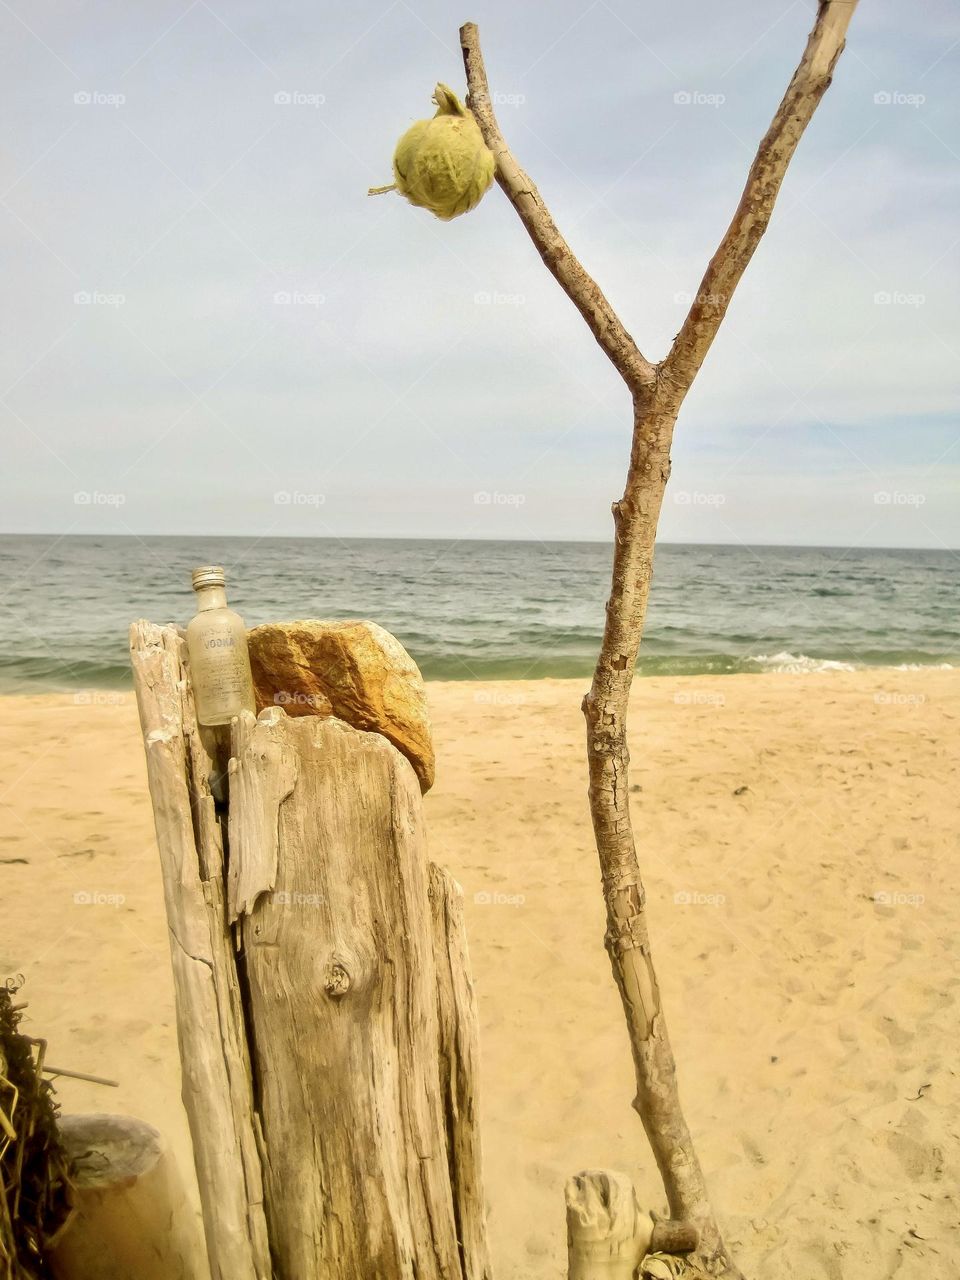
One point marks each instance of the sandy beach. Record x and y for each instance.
(799, 836)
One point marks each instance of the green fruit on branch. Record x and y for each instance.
(443, 164)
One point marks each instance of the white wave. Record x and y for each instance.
(798, 664)
(924, 666)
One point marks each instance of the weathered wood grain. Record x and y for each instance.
(329, 1037)
(459, 1062)
(338, 962)
(216, 1086)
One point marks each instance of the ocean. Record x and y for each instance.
(483, 610)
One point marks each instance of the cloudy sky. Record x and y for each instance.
(173, 168)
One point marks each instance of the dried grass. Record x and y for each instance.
(34, 1171)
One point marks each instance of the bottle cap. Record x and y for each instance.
(209, 575)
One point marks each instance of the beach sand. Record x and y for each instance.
(799, 838)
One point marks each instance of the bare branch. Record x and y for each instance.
(658, 392)
(810, 81)
(580, 287)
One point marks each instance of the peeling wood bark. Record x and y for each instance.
(658, 392)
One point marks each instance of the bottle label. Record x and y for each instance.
(220, 671)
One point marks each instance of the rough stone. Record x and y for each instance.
(355, 671)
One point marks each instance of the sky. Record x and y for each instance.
(209, 327)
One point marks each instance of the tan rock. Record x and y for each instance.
(355, 671)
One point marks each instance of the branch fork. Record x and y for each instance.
(658, 391)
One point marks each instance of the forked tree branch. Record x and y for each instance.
(658, 392)
(810, 81)
(579, 286)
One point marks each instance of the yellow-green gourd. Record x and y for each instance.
(443, 164)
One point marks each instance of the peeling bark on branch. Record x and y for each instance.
(658, 393)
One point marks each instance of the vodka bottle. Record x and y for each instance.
(217, 648)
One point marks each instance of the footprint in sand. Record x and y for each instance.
(921, 1161)
(893, 1031)
(752, 1151)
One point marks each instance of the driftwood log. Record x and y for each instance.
(324, 1003)
(132, 1219)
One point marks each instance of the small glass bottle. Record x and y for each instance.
(217, 648)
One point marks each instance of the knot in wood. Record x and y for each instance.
(336, 980)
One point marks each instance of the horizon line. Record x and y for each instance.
(600, 542)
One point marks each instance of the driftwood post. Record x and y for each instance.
(338, 955)
(325, 1009)
(658, 391)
